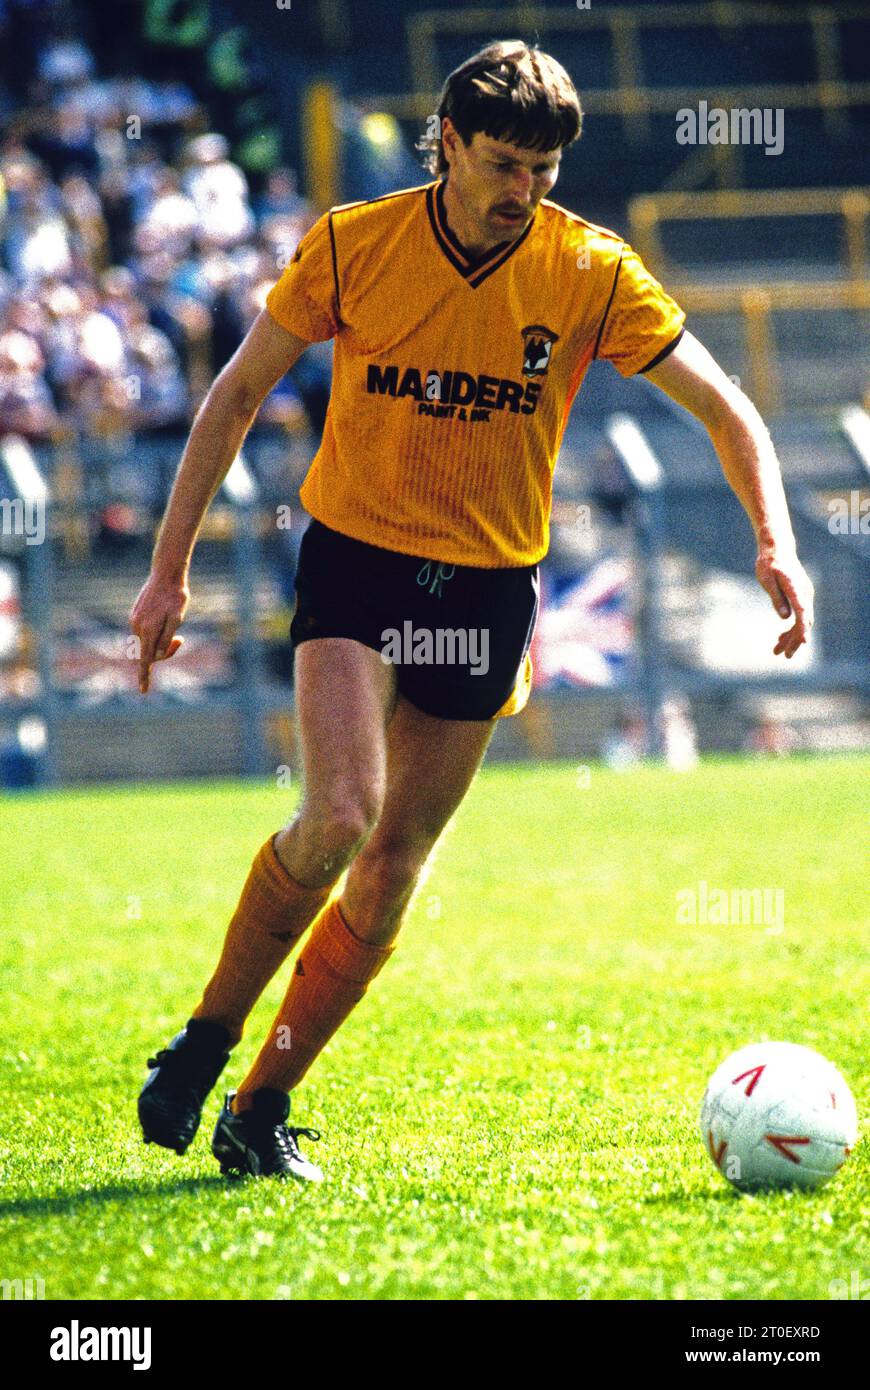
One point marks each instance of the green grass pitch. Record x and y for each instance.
(511, 1112)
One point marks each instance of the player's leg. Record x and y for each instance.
(430, 765)
(431, 760)
(344, 696)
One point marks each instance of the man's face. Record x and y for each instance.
(498, 185)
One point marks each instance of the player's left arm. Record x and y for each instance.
(692, 378)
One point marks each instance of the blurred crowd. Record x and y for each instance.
(133, 253)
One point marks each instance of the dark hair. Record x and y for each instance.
(512, 92)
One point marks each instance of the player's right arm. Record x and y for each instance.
(218, 432)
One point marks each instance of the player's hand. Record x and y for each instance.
(157, 612)
(786, 582)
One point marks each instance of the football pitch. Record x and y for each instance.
(512, 1111)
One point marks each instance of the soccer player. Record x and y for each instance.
(464, 313)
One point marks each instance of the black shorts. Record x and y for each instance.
(458, 635)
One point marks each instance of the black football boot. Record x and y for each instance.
(171, 1101)
(260, 1142)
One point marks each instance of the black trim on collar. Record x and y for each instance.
(474, 270)
(441, 214)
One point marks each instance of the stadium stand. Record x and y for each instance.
(149, 197)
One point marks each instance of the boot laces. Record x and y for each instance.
(286, 1138)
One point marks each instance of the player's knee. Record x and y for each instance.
(392, 868)
(339, 832)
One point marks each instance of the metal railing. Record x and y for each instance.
(756, 306)
(628, 98)
(255, 703)
(757, 302)
(648, 212)
(249, 698)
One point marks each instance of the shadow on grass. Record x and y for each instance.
(686, 1198)
(68, 1202)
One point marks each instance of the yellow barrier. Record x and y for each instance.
(628, 98)
(647, 213)
(320, 103)
(756, 304)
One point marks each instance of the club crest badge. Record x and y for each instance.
(537, 347)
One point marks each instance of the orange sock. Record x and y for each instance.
(273, 912)
(331, 976)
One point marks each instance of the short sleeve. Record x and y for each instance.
(305, 299)
(641, 321)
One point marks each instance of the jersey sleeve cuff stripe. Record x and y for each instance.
(660, 356)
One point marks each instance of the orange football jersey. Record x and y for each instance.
(453, 377)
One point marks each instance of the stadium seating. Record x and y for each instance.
(103, 296)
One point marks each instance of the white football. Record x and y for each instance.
(775, 1114)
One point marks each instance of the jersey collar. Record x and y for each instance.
(474, 270)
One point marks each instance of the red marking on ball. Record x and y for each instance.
(782, 1141)
(755, 1073)
(717, 1154)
